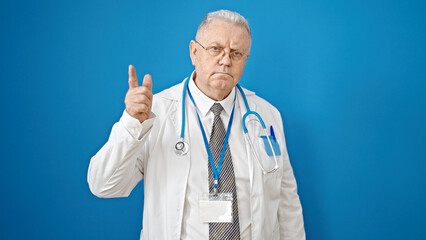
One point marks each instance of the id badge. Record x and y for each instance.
(215, 208)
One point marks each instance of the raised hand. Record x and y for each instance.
(139, 98)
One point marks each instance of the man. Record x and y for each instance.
(186, 196)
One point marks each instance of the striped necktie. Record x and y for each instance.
(226, 178)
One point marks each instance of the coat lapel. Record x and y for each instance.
(255, 205)
(175, 114)
(244, 110)
(177, 166)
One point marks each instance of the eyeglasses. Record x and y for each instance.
(215, 51)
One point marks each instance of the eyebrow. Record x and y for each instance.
(215, 43)
(220, 45)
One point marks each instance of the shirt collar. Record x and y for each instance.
(204, 103)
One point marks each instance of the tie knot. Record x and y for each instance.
(216, 109)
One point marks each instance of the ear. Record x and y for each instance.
(192, 52)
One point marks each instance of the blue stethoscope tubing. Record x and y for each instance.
(182, 147)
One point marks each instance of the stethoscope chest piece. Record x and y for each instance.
(181, 148)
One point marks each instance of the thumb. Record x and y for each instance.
(133, 80)
(147, 81)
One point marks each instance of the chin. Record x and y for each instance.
(222, 83)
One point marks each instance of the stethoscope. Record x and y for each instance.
(182, 147)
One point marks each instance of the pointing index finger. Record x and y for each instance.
(133, 80)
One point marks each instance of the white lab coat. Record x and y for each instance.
(276, 212)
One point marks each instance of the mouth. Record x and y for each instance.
(222, 73)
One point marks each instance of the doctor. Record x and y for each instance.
(213, 186)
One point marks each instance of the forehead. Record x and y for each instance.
(226, 33)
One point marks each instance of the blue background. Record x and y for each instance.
(348, 76)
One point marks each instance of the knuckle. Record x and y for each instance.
(138, 99)
(145, 107)
(150, 95)
(144, 98)
(138, 109)
(141, 90)
(145, 90)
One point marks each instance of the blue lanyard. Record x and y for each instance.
(216, 172)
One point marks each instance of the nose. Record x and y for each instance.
(225, 59)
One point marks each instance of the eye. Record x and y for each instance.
(237, 54)
(216, 49)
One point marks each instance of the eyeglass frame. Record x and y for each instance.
(245, 56)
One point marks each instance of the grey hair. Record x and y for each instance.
(229, 16)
